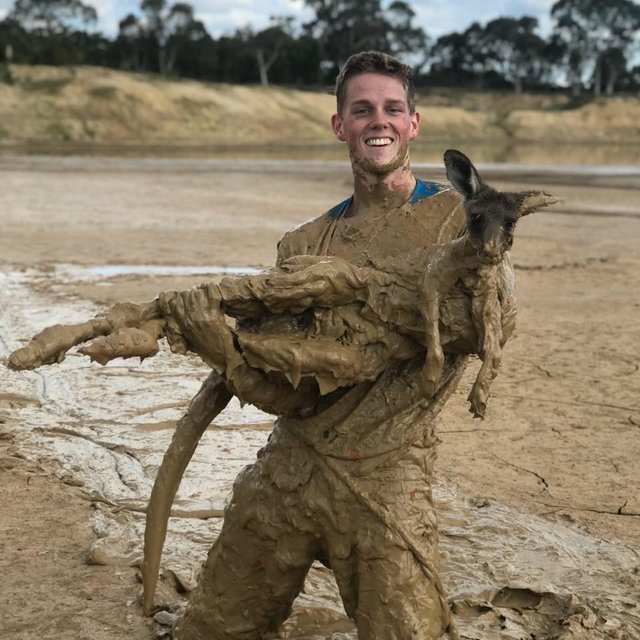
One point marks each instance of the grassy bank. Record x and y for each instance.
(96, 105)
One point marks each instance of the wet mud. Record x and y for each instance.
(509, 574)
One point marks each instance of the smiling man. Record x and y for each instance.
(350, 484)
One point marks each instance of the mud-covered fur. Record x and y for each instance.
(491, 219)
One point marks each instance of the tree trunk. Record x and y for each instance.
(518, 85)
(597, 79)
(576, 87)
(170, 58)
(162, 59)
(612, 77)
(262, 68)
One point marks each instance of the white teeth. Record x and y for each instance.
(379, 142)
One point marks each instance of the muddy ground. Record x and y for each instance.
(541, 500)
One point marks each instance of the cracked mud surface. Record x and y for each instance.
(549, 484)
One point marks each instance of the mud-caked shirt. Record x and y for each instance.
(372, 421)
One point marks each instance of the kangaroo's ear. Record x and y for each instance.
(530, 201)
(461, 173)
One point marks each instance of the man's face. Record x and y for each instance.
(376, 123)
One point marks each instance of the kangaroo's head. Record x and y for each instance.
(491, 214)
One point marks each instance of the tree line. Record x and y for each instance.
(593, 45)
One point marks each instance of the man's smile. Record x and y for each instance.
(378, 142)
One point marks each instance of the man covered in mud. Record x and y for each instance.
(349, 485)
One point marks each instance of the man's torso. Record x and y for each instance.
(374, 421)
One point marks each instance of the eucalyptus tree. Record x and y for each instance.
(587, 33)
(512, 48)
(403, 35)
(269, 44)
(50, 17)
(459, 58)
(54, 32)
(160, 32)
(343, 27)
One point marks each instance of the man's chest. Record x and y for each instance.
(393, 234)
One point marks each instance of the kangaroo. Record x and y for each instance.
(475, 262)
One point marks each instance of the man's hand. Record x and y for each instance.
(315, 281)
(195, 322)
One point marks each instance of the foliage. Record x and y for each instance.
(593, 44)
(506, 51)
(52, 17)
(344, 27)
(594, 39)
(154, 40)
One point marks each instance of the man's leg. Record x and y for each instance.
(253, 572)
(383, 585)
(396, 599)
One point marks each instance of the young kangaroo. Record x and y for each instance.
(476, 261)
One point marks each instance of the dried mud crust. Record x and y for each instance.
(562, 436)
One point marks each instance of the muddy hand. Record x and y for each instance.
(308, 281)
(52, 344)
(195, 322)
(130, 342)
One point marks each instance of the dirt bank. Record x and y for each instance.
(97, 105)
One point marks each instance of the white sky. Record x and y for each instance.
(224, 16)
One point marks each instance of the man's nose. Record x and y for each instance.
(379, 118)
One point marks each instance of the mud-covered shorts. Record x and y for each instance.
(287, 511)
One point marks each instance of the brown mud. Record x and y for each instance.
(560, 440)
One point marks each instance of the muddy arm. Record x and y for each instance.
(126, 330)
(301, 282)
(132, 330)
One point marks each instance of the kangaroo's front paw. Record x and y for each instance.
(432, 371)
(478, 401)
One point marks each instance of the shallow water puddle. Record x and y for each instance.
(111, 270)
(510, 574)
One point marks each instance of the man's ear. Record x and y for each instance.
(415, 125)
(336, 125)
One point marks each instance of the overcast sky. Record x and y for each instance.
(224, 16)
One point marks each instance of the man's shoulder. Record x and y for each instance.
(425, 192)
(439, 210)
(304, 238)
(425, 189)
(312, 226)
